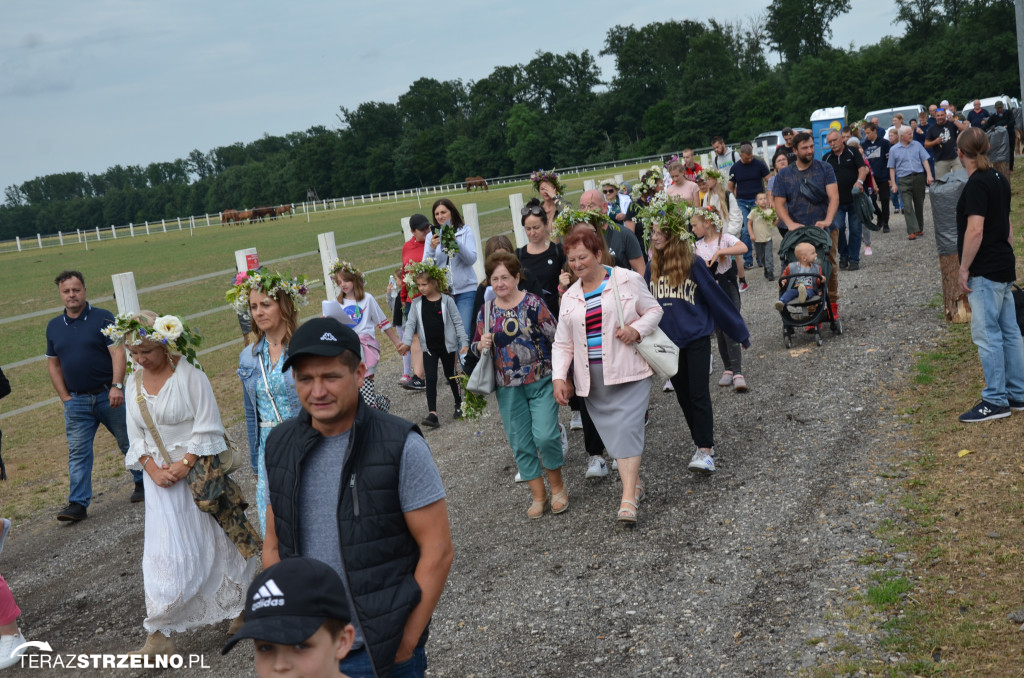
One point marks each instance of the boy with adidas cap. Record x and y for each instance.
(298, 618)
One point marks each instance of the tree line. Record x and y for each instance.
(676, 84)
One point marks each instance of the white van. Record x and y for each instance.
(989, 104)
(885, 114)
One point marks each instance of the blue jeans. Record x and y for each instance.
(357, 665)
(464, 302)
(849, 245)
(746, 206)
(995, 332)
(83, 415)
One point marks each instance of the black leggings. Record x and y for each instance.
(430, 370)
(729, 350)
(591, 438)
(693, 393)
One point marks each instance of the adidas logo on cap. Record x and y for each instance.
(327, 336)
(268, 595)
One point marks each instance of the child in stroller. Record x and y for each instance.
(805, 280)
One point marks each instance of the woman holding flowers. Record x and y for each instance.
(192, 571)
(454, 247)
(613, 379)
(693, 306)
(360, 311)
(519, 330)
(269, 301)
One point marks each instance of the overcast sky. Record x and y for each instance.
(87, 85)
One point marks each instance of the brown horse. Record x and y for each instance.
(283, 209)
(243, 215)
(228, 216)
(475, 182)
(261, 213)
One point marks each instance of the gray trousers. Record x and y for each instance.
(912, 189)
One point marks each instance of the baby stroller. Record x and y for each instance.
(812, 312)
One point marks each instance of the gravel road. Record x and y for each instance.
(744, 573)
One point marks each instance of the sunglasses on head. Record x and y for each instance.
(536, 210)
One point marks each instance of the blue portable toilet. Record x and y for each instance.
(823, 121)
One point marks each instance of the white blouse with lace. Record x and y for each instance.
(185, 413)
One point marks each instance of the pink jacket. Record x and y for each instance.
(621, 362)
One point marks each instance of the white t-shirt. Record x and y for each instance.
(364, 317)
(706, 250)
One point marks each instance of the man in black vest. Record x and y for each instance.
(381, 522)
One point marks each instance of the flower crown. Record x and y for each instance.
(648, 187)
(671, 216)
(709, 215)
(710, 173)
(608, 182)
(537, 176)
(346, 267)
(168, 330)
(416, 269)
(270, 284)
(570, 217)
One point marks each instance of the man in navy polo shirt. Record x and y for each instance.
(746, 180)
(87, 372)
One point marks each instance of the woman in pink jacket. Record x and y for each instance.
(608, 372)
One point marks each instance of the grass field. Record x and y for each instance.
(34, 443)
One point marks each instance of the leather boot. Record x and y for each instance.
(156, 644)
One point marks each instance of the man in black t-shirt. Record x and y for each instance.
(987, 272)
(941, 139)
(850, 175)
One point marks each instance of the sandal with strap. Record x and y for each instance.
(537, 509)
(641, 491)
(560, 501)
(627, 515)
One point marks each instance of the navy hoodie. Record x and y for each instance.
(693, 309)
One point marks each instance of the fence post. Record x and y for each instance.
(589, 185)
(125, 293)
(79, 231)
(114, 231)
(98, 232)
(472, 218)
(515, 205)
(17, 241)
(207, 219)
(328, 253)
(131, 229)
(335, 203)
(164, 224)
(406, 228)
(191, 225)
(618, 179)
(147, 228)
(60, 236)
(39, 239)
(246, 260)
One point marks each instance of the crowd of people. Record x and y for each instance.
(352, 523)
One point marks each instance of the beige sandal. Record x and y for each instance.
(641, 491)
(537, 509)
(627, 515)
(560, 501)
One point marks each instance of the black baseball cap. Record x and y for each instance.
(289, 601)
(418, 222)
(322, 337)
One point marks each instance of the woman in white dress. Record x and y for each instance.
(192, 572)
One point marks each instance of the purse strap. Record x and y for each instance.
(266, 385)
(148, 418)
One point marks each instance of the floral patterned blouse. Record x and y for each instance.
(522, 341)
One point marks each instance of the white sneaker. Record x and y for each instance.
(702, 462)
(519, 477)
(615, 464)
(596, 468)
(668, 388)
(576, 423)
(8, 657)
(564, 437)
(867, 251)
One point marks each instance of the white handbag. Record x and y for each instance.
(656, 348)
(482, 380)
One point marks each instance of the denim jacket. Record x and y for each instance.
(252, 379)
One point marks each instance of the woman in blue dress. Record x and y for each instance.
(270, 300)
